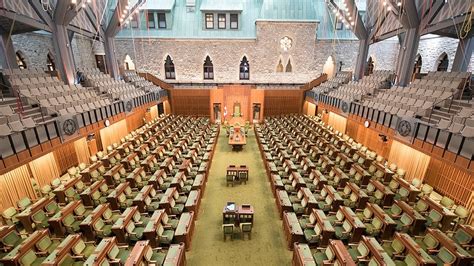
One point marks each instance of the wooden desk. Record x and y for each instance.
(418, 224)
(238, 172)
(56, 222)
(193, 202)
(283, 202)
(62, 250)
(302, 255)
(185, 229)
(25, 217)
(60, 192)
(237, 140)
(293, 231)
(448, 216)
(14, 257)
(91, 173)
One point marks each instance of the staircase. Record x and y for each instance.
(26, 110)
(446, 113)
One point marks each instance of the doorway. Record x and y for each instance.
(256, 112)
(100, 62)
(217, 112)
(161, 109)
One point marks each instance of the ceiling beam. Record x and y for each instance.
(24, 20)
(358, 28)
(42, 14)
(94, 21)
(65, 12)
(445, 24)
(407, 14)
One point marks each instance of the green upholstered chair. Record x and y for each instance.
(228, 230)
(46, 245)
(47, 191)
(394, 248)
(246, 229)
(421, 206)
(447, 202)
(9, 216)
(462, 214)
(10, 240)
(446, 256)
(323, 256)
(394, 211)
(118, 255)
(351, 202)
(155, 256)
(393, 185)
(123, 201)
(404, 223)
(30, 258)
(81, 211)
(102, 230)
(176, 209)
(462, 237)
(170, 220)
(426, 190)
(134, 233)
(24, 203)
(52, 208)
(428, 242)
(433, 219)
(40, 219)
(299, 208)
(313, 235)
(71, 224)
(373, 229)
(83, 249)
(165, 235)
(365, 215)
(359, 252)
(343, 232)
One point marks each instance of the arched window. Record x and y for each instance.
(370, 66)
(443, 62)
(330, 67)
(289, 67)
(50, 62)
(280, 66)
(244, 69)
(418, 63)
(128, 63)
(169, 68)
(208, 68)
(20, 60)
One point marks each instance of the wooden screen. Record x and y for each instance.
(451, 181)
(338, 122)
(414, 162)
(190, 101)
(278, 102)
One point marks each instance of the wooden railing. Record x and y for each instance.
(315, 82)
(155, 80)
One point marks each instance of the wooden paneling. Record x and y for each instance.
(190, 101)
(278, 102)
(66, 156)
(368, 137)
(237, 94)
(135, 120)
(451, 181)
(216, 96)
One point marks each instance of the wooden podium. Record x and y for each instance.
(237, 139)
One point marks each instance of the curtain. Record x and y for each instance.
(14, 186)
(66, 157)
(338, 122)
(45, 169)
(113, 133)
(414, 162)
(82, 150)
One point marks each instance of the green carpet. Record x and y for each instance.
(268, 245)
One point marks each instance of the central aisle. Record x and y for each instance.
(267, 246)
